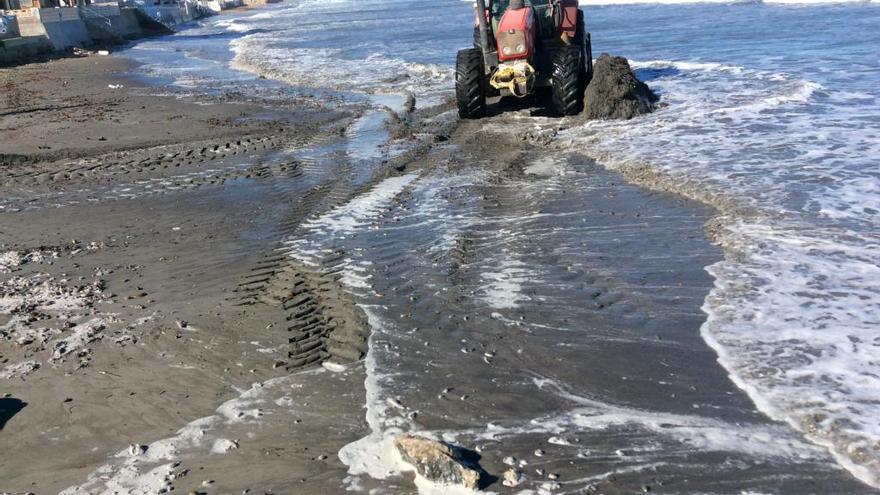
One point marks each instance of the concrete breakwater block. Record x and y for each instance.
(615, 92)
(9, 27)
(18, 50)
(64, 28)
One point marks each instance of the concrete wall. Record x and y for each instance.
(171, 14)
(43, 30)
(130, 23)
(21, 50)
(64, 27)
(211, 5)
(29, 23)
(108, 22)
(8, 27)
(253, 3)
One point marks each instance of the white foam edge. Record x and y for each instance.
(763, 405)
(334, 366)
(503, 286)
(374, 455)
(704, 433)
(346, 219)
(546, 167)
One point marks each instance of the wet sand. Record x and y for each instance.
(169, 292)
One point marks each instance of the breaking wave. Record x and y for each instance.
(794, 313)
(327, 68)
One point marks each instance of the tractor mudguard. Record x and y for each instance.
(568, 24)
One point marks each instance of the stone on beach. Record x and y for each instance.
(436, 461)
(615, 92)
(512, 477)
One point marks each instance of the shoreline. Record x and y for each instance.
(721, 230)
(197, 257)
(68, 31)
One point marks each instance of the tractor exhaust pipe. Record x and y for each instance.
(490, 57)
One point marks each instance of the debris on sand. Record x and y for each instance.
(77, 339)
(436, 461)
(137, 449)
(9, 261)
(615, 92)
(223, 445)
(28, 301)
(40, 312)
(19, 370)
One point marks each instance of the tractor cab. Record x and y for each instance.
(542, 10)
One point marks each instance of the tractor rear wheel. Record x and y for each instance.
(582, 38)
(566, 89)
(470, 86)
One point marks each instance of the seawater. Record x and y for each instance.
(772, 115)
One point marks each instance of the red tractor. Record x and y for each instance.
(521, 46)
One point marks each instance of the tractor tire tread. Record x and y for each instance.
(566, 89)
(470, 92)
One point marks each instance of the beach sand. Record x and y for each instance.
(151, 286)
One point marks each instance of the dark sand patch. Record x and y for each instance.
(67, 109)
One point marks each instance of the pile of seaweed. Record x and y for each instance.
(615, 92)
